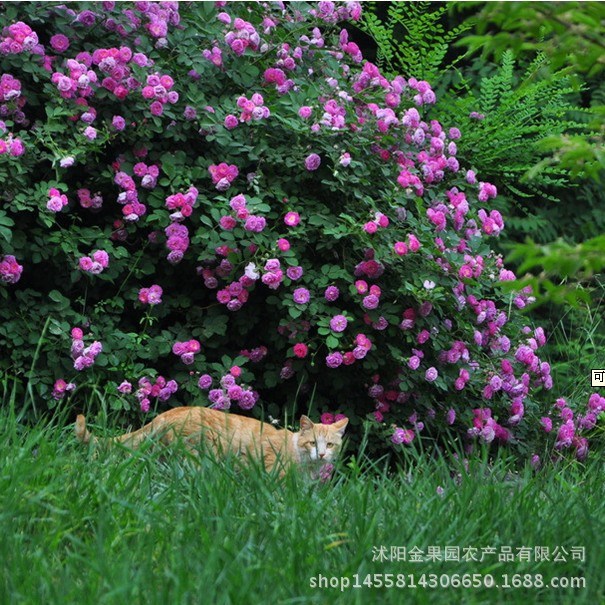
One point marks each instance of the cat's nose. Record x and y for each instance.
(322, 454)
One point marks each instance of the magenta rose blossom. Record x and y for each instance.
(301, 296)
(431, 374)
(331, 293)
(294, 273)
(404, 436)
(312, 162)
(333, 360)
(118, 122)
(151, 296)
(338, 323)
(327, 418)
(292, 219)
(125, 387)
(10, 269)
(59, 43)
(300, 350)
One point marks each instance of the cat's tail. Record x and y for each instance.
(82, 433)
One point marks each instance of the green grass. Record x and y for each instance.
(156, 528)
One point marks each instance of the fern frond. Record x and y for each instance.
(412, 41)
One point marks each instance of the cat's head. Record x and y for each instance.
(320, 443)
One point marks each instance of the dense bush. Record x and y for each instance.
(226, 205)
(531, 122)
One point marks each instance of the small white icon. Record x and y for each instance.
(598, 378)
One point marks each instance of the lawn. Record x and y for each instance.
(154, 527)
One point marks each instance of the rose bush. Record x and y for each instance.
(228, 206)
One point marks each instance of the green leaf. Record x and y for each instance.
(62, 301)
(332, 342)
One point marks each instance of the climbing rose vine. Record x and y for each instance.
(226, 205)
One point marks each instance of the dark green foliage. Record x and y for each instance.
(585, 218)
(535, 140)
(413, 39)
(569, 33)
(541, 140)
(575, 264)
(519, 111)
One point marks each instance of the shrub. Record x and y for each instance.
(228, 205)
(527, 122)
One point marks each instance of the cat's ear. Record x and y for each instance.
(305, 424)
(340, 426)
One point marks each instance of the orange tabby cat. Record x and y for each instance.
(311, 447)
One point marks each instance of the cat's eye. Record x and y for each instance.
(331, 444)
(312, 443)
